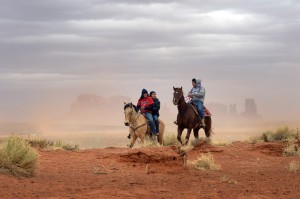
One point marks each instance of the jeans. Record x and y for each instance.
(200, 108)
(151, 122)
(155, 117)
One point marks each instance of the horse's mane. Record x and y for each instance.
(130, 104)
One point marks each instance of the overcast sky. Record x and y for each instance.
(52, 51)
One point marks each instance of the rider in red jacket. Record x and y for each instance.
(145, 105)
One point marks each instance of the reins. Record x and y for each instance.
(136, 128)
(181, 96)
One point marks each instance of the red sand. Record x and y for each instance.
(247, 171)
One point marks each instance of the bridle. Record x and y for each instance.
(136, 128)
(181, 95)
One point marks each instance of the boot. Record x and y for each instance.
(202, 124)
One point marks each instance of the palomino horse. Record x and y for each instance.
(187, 118)
(138, 125)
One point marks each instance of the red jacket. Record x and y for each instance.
(146, 102)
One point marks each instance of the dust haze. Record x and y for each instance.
(66, 75)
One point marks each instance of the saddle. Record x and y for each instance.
(205, 110)
(148, 124)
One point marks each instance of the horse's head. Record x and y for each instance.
(178, 93)
(128, 110)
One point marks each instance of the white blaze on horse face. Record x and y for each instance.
(175, 102)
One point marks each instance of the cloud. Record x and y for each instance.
(74, 46)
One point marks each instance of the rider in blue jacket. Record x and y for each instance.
(155, 110)
(197, 93)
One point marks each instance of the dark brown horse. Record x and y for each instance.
(187, 118)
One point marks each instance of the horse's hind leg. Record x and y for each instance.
(179, 133)
(187, 137)
(196, 133)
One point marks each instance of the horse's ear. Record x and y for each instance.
(130, 105)
(124, 103)
(174, 88)
(181, 87)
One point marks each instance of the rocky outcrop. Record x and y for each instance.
(91, 108)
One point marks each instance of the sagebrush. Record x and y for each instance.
(17, 157)
(280, 134)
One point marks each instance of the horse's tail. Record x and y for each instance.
(161, 131)
(161, 125)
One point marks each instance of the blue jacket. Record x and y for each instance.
(156, 106)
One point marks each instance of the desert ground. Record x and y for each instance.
(246, 171)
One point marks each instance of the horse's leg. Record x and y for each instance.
(179, 133)
(196, 133)
(161, 132)
(187, 137)
(133, 139)
(142, 139)
(142, 134)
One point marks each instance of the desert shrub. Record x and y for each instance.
(268, 136)
(293, 166)
(280, 134)
(206, 162)
(40, 143)
(291, 149)
(17, 157)
(170, 140)
(59, 144)
(256, 139)
(284, 133)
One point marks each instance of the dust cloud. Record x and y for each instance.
(93, 121)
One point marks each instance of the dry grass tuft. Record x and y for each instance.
(42, 143)
(219, 143)
(206, 162)
(59, 144)
(291, 149)
(148, 143)
(170, 140)
(293, 166)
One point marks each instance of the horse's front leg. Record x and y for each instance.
(187, 137)
(179, 133)
(133, 139)
(142, 138)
